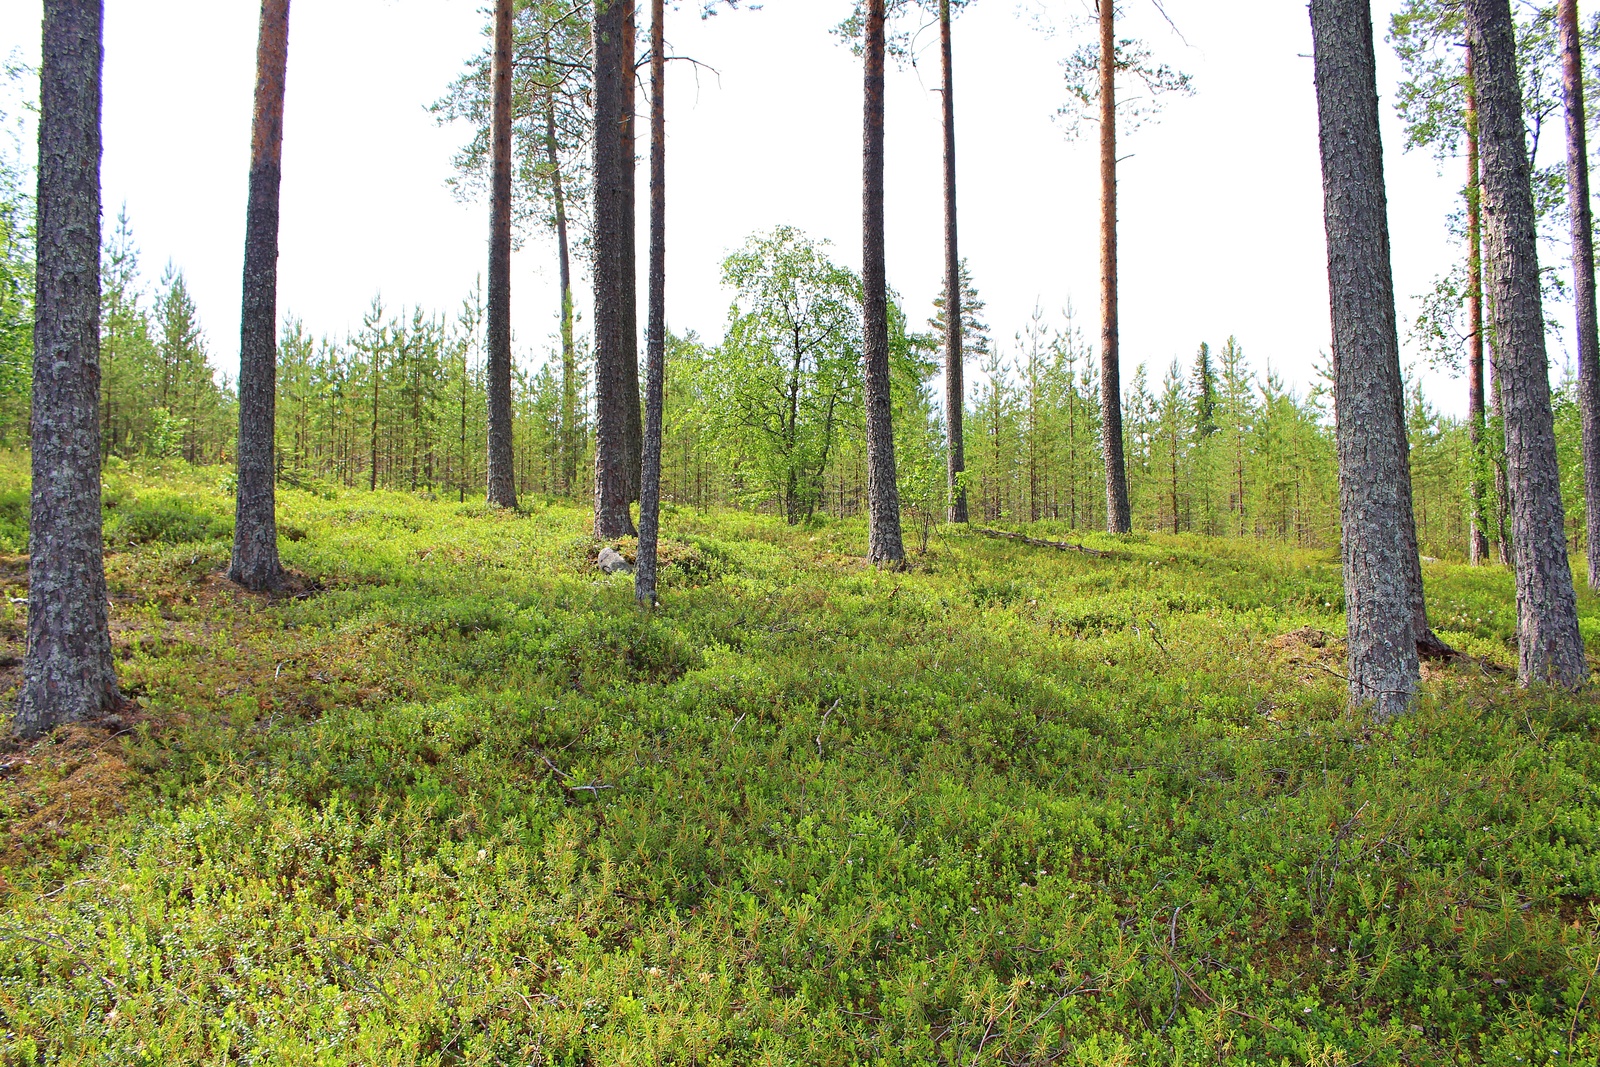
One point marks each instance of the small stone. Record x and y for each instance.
(612, 562)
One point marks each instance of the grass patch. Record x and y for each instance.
(467, 806)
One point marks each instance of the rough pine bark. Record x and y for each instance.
(954, 387)
(1374, 507)
(502, 470)
(1118, 515)
(644, 588)
(67, 675)
(255, 562)
(884, 544)
(613, 274)
(634, 425)
(1583, 296)
(1550, 647)
(569, 351)
(1478, 489)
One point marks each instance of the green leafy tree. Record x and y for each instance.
(787, 375)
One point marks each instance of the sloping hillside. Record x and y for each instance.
(459, 803)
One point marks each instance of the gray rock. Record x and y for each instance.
(612, 562)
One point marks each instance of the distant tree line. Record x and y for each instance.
(1215, 446)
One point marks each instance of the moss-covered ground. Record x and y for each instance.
(464, 804)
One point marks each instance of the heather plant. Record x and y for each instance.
(465, 804)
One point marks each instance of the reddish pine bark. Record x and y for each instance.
(1118, 515)
(255, 562)
(954, 359)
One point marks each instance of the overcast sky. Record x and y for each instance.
(1220, 198)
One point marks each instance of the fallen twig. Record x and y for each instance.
(1082, 988)
(988, 1032)
(62, 888)
(1572, 1031)
(1063, 546)
(823, 725)
(1177, 982)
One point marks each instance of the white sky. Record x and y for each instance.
(1221, 203)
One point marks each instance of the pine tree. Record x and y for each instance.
(68, 674)
(1174, 419)
(1203, 388)
(656, 339)
(954, 357)
(1366, 359)
(1551, 648)
(613, 270)
(502, 476)
(885, 547)
(127, 351)
(1583, 286)
(255, 563)
(1235, 400)
(1118, 518)
(1092, 80)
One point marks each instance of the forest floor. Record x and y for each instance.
(466, 805)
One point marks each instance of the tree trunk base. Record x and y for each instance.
(263, 581)
(1431, 647)
(289, 585)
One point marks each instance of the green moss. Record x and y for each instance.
(467, 805)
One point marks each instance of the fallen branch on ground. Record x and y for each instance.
(1064, 546)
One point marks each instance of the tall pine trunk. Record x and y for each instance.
(68, 674)
(1478, 488)
(502, 460)
(255, 531)
(1583, 296)
(569, 352)
(644, 589)
(613, 270)
(954, 388)
(1368, 397)
(1550, 647)
(1118, 515)
(884, 545)
(634, 426)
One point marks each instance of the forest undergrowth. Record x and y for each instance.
(461, 803)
